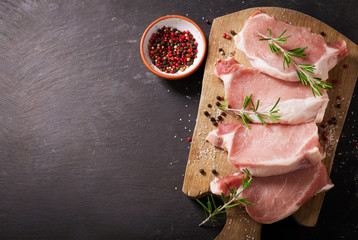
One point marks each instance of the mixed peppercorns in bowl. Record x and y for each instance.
(173, 47)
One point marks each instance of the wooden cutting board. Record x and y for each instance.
(203, 156)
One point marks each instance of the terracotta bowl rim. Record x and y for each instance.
(158, 73)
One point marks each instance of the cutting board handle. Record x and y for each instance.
(239, 226)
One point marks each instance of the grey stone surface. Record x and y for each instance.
(93, 145)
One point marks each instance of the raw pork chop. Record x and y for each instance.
(269, 150)
(297, 104)
(324, 56)
(277, 197)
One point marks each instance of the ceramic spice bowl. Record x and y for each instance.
(182, 24)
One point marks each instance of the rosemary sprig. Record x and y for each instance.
(304, 71)
(262, 116)
(211, 210)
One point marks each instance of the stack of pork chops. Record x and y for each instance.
(283, 158)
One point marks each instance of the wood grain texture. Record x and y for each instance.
(203, 156)
(239, 225)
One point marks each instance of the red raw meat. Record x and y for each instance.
(319, 53)
(297, 104)
(269, 150)
(277, 197)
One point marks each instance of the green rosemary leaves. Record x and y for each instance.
(211, 210)
(304, 71)
(248, 107)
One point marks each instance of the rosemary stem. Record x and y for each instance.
(312, 81)
(224, 206)
(272, 42)
(261, 35)
(248, 112)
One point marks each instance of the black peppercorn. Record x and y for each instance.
(207, 113)
(233, 32)
(171, 42)
(209, 105)
(323, 34)
(220, 118)
(201, 171)
(218, 104)
(334, 121)
(214, 171)
(338, 105)
(219, 98)
(212, 119)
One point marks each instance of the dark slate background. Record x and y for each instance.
(91, 142)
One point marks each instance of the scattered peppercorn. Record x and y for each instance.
(206, 113)
(223, 114)
(212, 119)
(233, 32)
(188, 139)
(345, 66)
(219, 98)
(338, 105)
(324, 136)
(218, 104)
(221, 51)
(171, 50)
(339, 97)
(208, 22)
(220, 118)
(201, 171)
(214, 171)
(226, 36)
(323, 34)
(334, 121)
(209, 105)
(215, 124)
